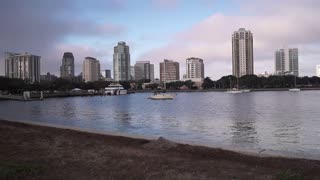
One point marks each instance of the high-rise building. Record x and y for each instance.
(242, 53)
(22, 66)
(67, 67)
(152, 72)
(106, 73)
(144, 70)
(194, 69)
(318, 70)
(132, 73)
(287, 61)
(169, 71)
(121, 62)
(91, 69)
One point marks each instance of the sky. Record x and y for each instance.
(160, 29)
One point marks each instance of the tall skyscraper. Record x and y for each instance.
(91, 69)
(22, 66)
(242, 53)
(318, 70)
(67, 67)
(121, 62)
(144, 70)
(287, 61)
(132, 73)
(194, 69)
(152, 72)
(169, 71)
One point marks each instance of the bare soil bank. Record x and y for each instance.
(38, 152)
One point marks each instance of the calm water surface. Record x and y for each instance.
(279, 122)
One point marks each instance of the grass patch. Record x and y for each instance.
(289, 175)
(8, 171)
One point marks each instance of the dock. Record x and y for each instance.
(18, 98)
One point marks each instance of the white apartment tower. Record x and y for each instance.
(121, 62)
(144, 70)
(90, 69)
(242, 53)
(287, 61)
(22, 66)
(194, 69)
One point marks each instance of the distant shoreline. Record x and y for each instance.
(224, 90)
(62, 152)
(69, 94)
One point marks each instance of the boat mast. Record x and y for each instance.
(237, 83)
(164, 80)
(295, 80)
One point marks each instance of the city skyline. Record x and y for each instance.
(170, 35)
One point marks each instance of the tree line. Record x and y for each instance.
(255, 82)
(16, 86)
(12, 85)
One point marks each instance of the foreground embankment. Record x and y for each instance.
(39, 152)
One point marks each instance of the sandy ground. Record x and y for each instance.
(38, 152)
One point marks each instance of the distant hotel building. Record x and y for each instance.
(169, 71)
(287, 61)
(91, 69)
(67, 67)
(242, 53)
(121, 62)
(318, 70)
(48, 77)
(144, 70)
(194, 69)
(22, 66)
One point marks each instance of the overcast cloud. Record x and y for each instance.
(49, 28)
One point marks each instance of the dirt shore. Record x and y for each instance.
(38, 152)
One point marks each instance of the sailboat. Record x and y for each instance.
(295, 84)
(162, 95)
(234, 90)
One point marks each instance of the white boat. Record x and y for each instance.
(115, 89)
(246, 90)
(162, 95)
(294, 90)
(234, 91)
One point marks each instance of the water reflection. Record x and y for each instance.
(122, 113)
(287, 130)
(243, 116)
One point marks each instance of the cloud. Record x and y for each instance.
(39, 27)
(293, 25)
